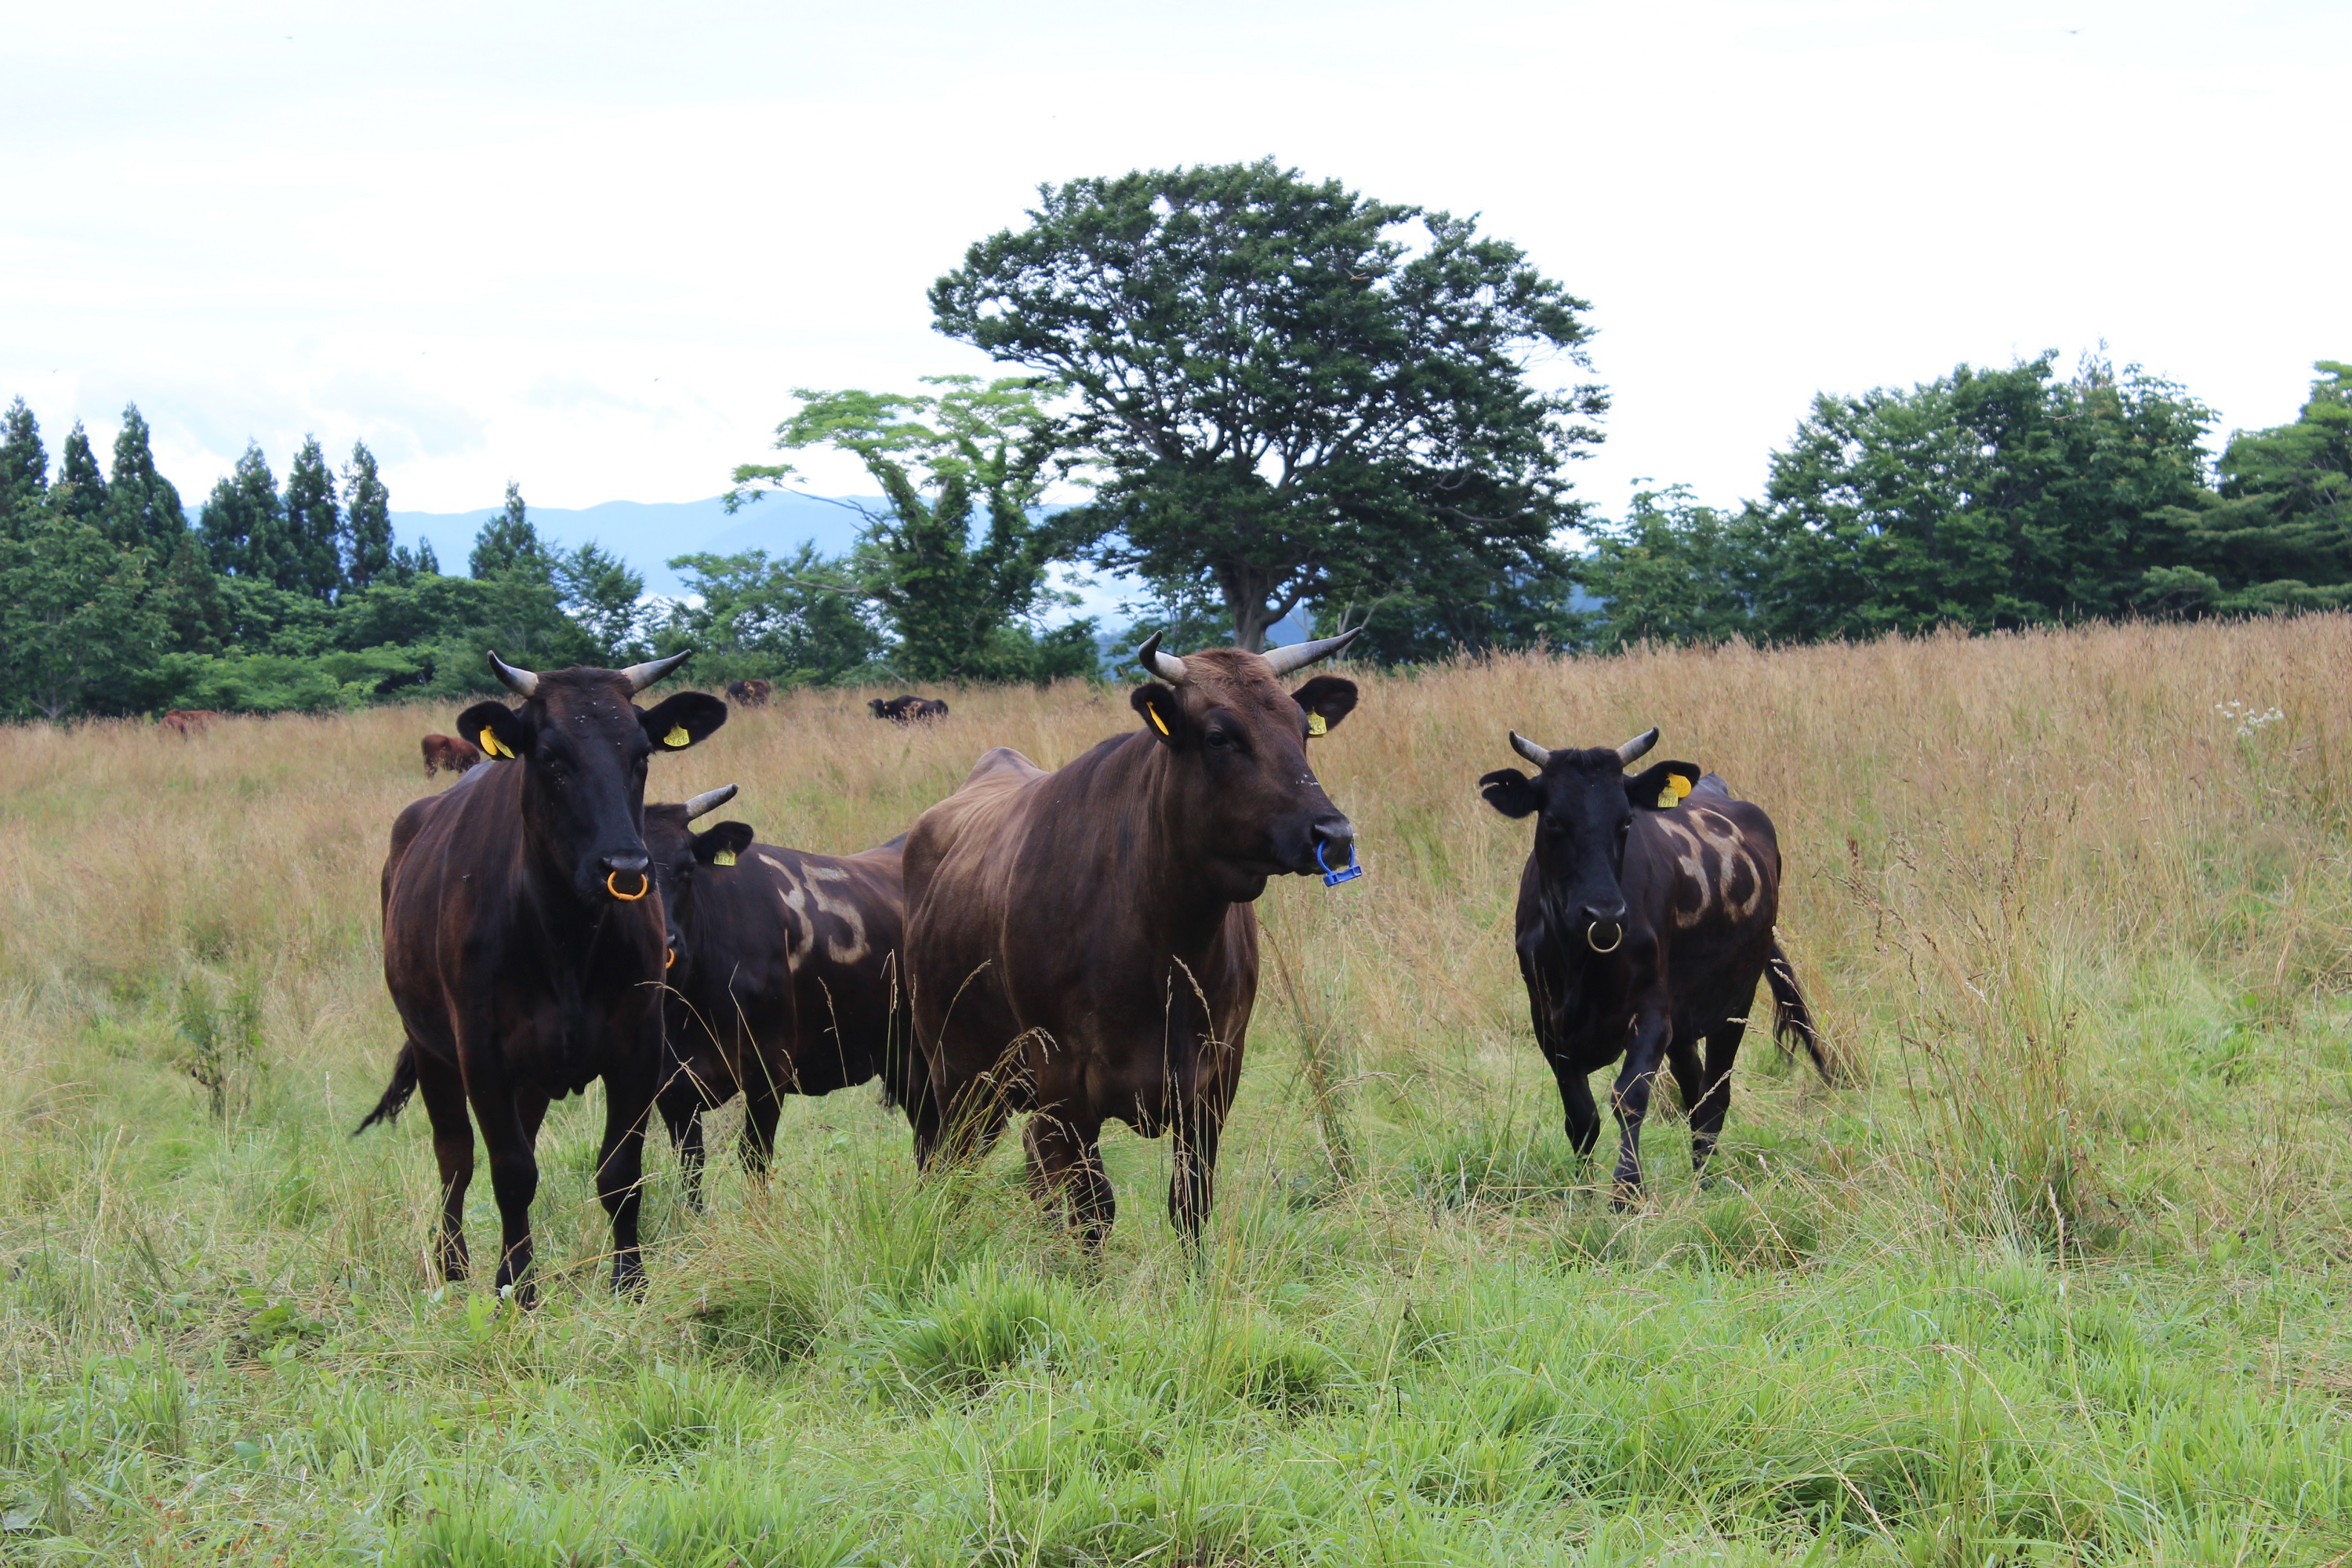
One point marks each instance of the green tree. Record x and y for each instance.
(1982, 498)
(2277, 532)
(1293, 393)
(801, 620)
(958, 606)
(367, 520)
(510, 542)
(24, 462)
(308, 562)
(242, 524)
(602, 595)
(79, 491)
(75, 618)
(143, 507)
(1670, 570)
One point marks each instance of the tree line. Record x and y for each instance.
(1276, 398)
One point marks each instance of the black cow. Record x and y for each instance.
(906, 710)
(786, 980)
(1644, 922)
(521, 949)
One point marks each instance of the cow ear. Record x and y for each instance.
(720, 846)
(1510, 792)
(1327, 700)
(1660, 788)
(681, 720)
(498, 729)
(1162, 713)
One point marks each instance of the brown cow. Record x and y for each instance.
(908, 708)
(520, 947)
(451, 752)
(186, 722)
(1080, 943)
(750, 693)
(785, 978)
(1645, 922)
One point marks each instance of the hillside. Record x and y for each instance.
(2055, 1277)
(648, 534)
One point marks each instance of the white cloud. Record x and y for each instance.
(592, 248)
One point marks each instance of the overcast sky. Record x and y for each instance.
(591, 248)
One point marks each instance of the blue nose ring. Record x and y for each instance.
(1346, 873)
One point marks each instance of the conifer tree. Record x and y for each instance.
(143, 507)
(242, 526)
(24, 462)
(509, 541)
(80, 491)
(367, 520)
(309, 564)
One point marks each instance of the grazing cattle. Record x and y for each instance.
(451, 752)
(520, 947)
(1644, 922)
(905, 710)
(186, 722)
(1079, 944)
(750, 693)
(787, 978)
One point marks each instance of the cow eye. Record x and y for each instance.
(1218, 741)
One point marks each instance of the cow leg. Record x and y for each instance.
(453, 1151)
(1583, 1118)
(1690, 1081)
(1631, 1101)
(1715, 1097)
(762, 1108)
(1192, 1185)
(1066, 1161)
(620, 1171)
(514, 1178)
(683, 1116)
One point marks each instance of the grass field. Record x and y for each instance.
(2060, 1276)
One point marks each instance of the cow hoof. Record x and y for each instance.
(628, 1275)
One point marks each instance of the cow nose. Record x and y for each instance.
(621, 871)
(1335, 830)
(634, 865)
(1604, 926)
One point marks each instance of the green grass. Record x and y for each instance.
(2060, 1278)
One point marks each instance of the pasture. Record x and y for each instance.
(2060, 1276)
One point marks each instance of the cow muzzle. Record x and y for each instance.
(621, 870)
(1605, 929)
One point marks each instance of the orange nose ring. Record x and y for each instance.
(670, 956)
(645, 886)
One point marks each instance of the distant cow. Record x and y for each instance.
(905, 709)
(522, 951)
(1644, 922)
(1080, 943)
(449, 751)
(186, 722)
(750, 693)
(785, 980)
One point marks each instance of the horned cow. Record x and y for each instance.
(1645, 922)
(1079, 942)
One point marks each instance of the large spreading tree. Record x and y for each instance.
(1291, 393)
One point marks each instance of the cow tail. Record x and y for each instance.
(395, 1095)
(1793, 1017)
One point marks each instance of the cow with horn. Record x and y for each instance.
(1645, 922)
(521, 947)
(1080, 943)
(787, 978)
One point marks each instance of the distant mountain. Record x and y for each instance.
(646, 534)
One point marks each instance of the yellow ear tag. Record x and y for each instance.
(1315, 724)
(1676, 787)
(490, 746)
(724, 858)
(677, 736)
(1157, 723)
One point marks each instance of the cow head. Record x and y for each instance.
(1584, 803)
(584, 744)
(678, 852)
(1248, 803)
